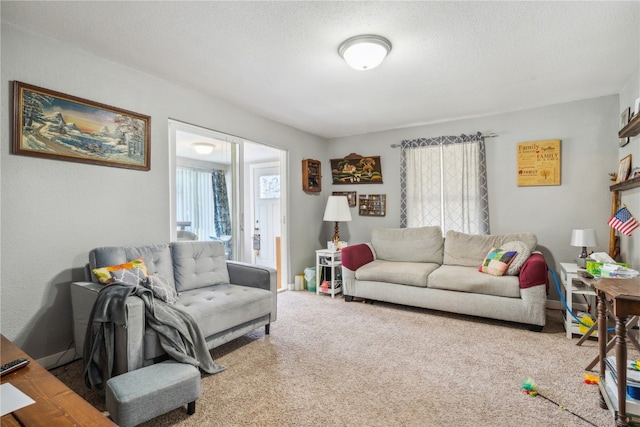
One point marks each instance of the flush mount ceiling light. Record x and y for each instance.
(203, 148)
(364, 52)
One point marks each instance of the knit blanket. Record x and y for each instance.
(178, 331)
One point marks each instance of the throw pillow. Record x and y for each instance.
(161, 288)
(523, 254)
(131, 276)
(104, 273)
(496, 262)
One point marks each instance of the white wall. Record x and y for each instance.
(589, 150)
(54, 212)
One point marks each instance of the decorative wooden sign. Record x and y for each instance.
(356, 169)
(539, 163)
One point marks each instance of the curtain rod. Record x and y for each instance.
(488, 135)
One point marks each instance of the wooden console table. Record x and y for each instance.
(624, 300)
(55, 403)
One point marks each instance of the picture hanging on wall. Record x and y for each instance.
(538, 163)
(624, 167)
(356, 169)
(54, 125)
(350, 195)
(624, 119)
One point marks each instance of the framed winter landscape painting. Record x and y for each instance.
(53, 125)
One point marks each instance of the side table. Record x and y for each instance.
(572, 286)
(621, 297)
(329, 261)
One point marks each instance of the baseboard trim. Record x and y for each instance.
(58, 359)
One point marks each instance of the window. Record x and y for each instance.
(443, 182)
(269, 187)
(194, 201)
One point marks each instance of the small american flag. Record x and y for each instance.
(623, 221)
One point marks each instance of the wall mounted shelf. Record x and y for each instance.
(626, 185)
(632, 128)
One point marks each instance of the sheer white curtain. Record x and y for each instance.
(194, 201)
(443, 182)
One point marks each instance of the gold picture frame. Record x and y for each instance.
(58, 126)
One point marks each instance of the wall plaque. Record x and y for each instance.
(539, 163)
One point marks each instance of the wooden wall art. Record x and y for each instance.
(350, 195)
(311, 176)
(372, 204)
(356, 169)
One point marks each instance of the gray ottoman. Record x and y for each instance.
(137, 396)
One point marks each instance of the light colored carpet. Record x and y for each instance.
(331, 363)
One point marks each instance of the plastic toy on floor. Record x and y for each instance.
(529, 387)
(591, 379)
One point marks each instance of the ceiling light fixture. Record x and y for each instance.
(203, 148)
(364, 52)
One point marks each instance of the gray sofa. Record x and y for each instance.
(227, 299)
(419, 267)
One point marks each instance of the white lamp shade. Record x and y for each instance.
(584, 238)
(364, 52)
(337, 209)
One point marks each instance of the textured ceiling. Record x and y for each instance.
(279, 59)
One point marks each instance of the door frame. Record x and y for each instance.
(239, 187)
(284, 212)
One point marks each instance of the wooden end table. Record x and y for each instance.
(621, 297)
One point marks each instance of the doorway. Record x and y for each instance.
(238, 159)
(265, 212)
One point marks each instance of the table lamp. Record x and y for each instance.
(583, 238)
(337, 210)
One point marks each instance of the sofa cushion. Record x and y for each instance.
(197, 264)
(220, 307)
(161, 289)
(418, 244)
(523, 253)
(469, 250)
(157, 258)
(128, 276)
(469, 279)
(404, 273)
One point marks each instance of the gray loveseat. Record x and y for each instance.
(227, 299)
(418, 267)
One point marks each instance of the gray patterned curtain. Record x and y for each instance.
(444, 182)
(222, 217)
